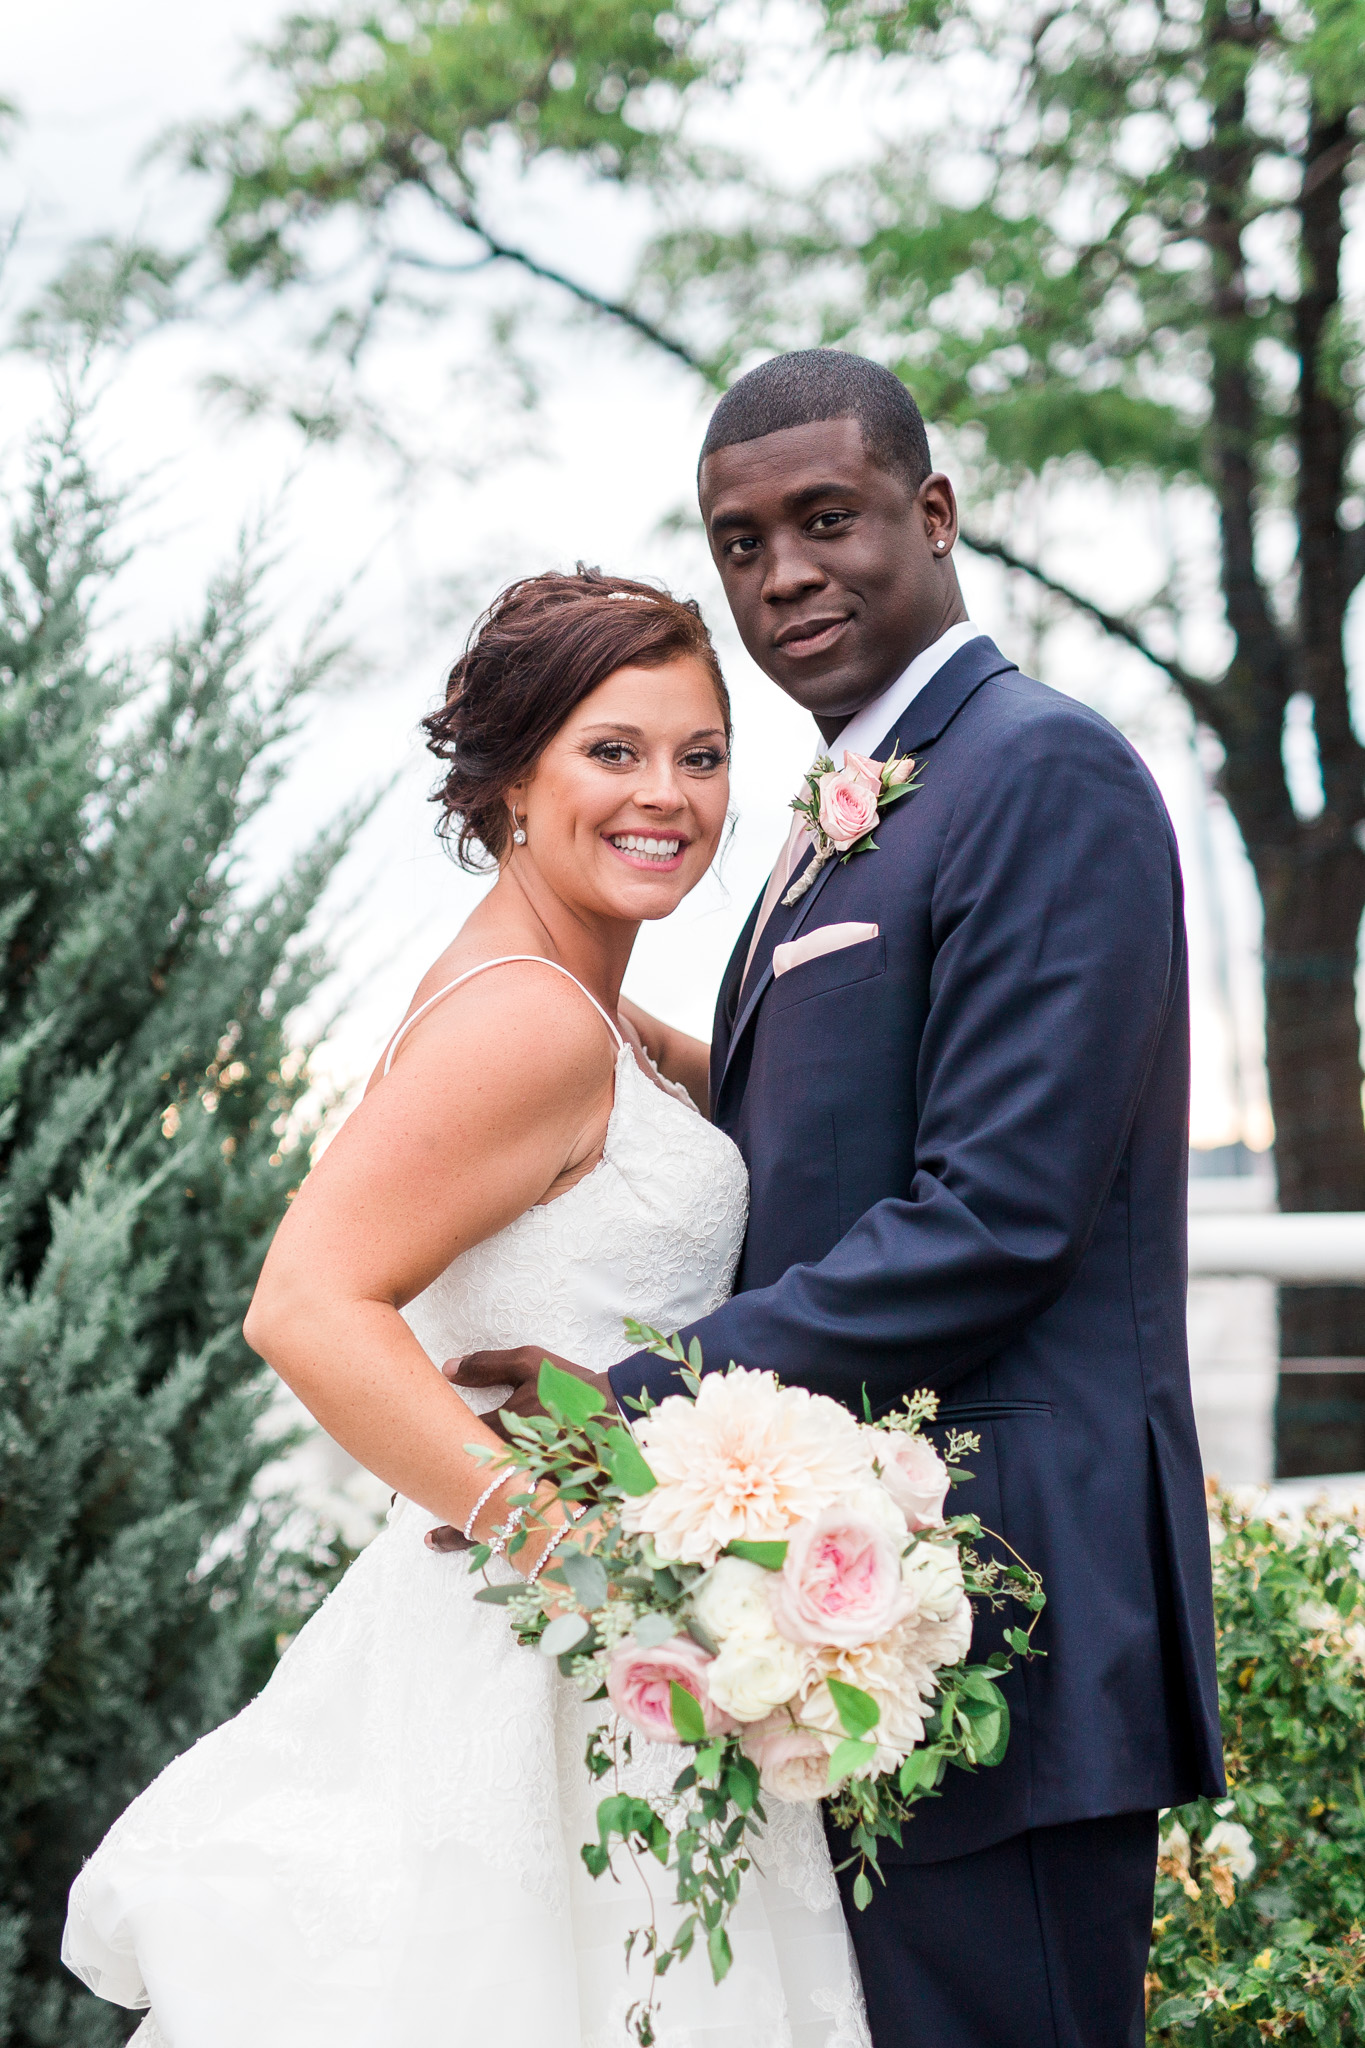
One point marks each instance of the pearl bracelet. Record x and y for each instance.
(486, 1495)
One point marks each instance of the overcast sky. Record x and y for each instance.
(594, 473)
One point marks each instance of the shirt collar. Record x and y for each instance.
(868, 727)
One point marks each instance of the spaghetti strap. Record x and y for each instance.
(503, 960)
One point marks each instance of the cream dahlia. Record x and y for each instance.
(899, 1680)
(742, 1462)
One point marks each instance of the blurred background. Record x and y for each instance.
(348, 317)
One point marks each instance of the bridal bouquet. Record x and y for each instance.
(777, 1589)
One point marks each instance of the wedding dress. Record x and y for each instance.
(381, 1850)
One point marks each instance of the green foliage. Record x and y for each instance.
(108, 291)
(687, 1715)
(771, 1556)
(1277, 1954)
(374, 110)
(1073, 285)
(149, 1110)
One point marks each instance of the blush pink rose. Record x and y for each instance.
(793, 1763)
(914, 1475)
(638, 1687)
(848, 808)
(864, 765)
(841, 1583)
(900, 772)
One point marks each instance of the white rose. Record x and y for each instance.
(732, 1599)
(876, 1503)
(945, 1642)
(754, 1675)
(1228, 1843)
(913, 1473)
(933, 1574)
(793, 1763)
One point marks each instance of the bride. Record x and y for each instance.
(381, 1851)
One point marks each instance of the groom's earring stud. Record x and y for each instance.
(940, 544)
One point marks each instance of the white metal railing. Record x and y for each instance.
(1317, 1248)
(1236, 1235)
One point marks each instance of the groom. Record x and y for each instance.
(957, 1069)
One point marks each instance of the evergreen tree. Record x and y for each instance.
(149, 1095)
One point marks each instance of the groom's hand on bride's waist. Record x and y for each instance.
(519, 1370)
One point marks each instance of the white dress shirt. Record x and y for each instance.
(868, 728)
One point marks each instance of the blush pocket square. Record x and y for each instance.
(827, 938)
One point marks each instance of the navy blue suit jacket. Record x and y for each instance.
(967, 1146)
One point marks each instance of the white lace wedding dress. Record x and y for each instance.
(381, 1851)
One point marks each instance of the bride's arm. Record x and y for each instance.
(677, 1056)
(496, 1097)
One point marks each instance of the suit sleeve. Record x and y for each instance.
(1057, 936)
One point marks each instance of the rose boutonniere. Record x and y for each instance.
(841, 807)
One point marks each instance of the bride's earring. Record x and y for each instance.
(519, 831)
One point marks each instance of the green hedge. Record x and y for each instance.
(1261, 1897)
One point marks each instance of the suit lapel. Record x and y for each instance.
(923, 721)
(927, 717)
(727, 1002)
(782, 925)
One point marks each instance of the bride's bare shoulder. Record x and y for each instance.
(513, 1016)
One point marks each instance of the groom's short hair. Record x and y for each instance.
(826, 384)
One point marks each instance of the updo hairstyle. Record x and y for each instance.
(537, 652)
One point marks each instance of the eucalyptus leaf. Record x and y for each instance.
(985, 1736)
(772, 1556)
(918, 1769)
(990, 1753)
(566, 1397)
(565, 1632)
(585, 1575)
(626, 1463)
(652, 1629)
(849, 1757)
(857, 1710)
(687, 1714)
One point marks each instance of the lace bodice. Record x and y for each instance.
(654, 1231)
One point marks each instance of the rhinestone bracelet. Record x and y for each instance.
(498, 1543)
(487, 1494)
(560, 1533)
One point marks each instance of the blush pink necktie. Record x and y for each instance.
(785, 866)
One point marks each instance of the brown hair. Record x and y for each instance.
(537, 652)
